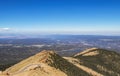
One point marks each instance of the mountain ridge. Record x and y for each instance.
(91, 62)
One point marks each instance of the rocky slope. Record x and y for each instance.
(103, 61)
(91, 62)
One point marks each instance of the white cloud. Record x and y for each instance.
(4, 29)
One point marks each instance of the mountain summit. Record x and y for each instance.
(45, 63)
(91, 62)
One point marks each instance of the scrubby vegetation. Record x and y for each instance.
(106, 62)
(60, 63)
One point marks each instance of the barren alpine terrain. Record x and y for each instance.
(90, 62)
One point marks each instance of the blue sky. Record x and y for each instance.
(60, 16)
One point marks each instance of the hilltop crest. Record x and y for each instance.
(88, 52)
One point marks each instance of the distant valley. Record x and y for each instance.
(13, 50)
